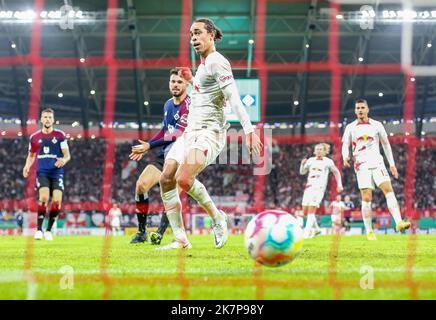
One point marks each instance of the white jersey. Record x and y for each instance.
(365, 138)
(337, 208)
(319, 170)
(207, 99)
(115, 215)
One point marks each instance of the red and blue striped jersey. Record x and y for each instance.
(174, 123)
(48, 147)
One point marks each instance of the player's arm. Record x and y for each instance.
(222, 72)
(346, 141)
(186, 74)
(253, 142)
(388, 150)
(158, 140)
(31, 156)
(304, 167)
(338, 178)
(139, 150)
(60, 162)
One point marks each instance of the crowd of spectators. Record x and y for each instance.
(283, 187)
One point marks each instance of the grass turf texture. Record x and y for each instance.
(141, 272)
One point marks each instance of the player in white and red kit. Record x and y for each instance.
(365, 136)
(337, 208)
(318, 169)
(206, 134)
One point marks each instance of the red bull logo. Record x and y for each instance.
(365, 138)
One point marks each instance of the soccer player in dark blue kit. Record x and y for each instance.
(175, 121)
(49, 146)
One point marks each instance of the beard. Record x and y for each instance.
(47, 126)
(177, 95)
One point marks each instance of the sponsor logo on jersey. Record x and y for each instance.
(170, 128)
(46, 150)
(226, 78)
(184, 119)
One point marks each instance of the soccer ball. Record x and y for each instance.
(273, 238)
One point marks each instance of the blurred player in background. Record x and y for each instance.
(365, 135)
(205, 136)
(115, 215)
(336, 212)
(318, 169)
(20, 220)
(50, 147)
(175, 119)
(349, 206)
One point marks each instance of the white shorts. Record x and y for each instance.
(209, 141)
(336, 219)
(312, 197)
(370, 178)
(116, 223)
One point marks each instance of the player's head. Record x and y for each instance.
(361, 109)
(47, 118)
(338, 197)
(347, 199)
(203, 34)
(177, 84)
(321, 149)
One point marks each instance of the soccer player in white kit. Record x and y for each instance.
(337, 209)
(318, 169)
(205, 135)
(365, 136)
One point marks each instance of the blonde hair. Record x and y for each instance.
(325, 146)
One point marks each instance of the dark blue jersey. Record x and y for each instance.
(174, 123)
(48, 147)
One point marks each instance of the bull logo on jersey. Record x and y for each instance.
(365, 138)
(46, 150)
(54, 140)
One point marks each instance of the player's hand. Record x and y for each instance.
(303, 161)
(185, 73)
(394, 171)
(339, 189)
(60, 162)
(25, 172)
(139, 150)
(253, 143)
(347, 163)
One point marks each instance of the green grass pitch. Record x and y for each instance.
(141, 272)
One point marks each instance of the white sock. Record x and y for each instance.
(315, 224)
(366, 216)
(199, 193)
(309, 223)
(173, 208)
(393, 207)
